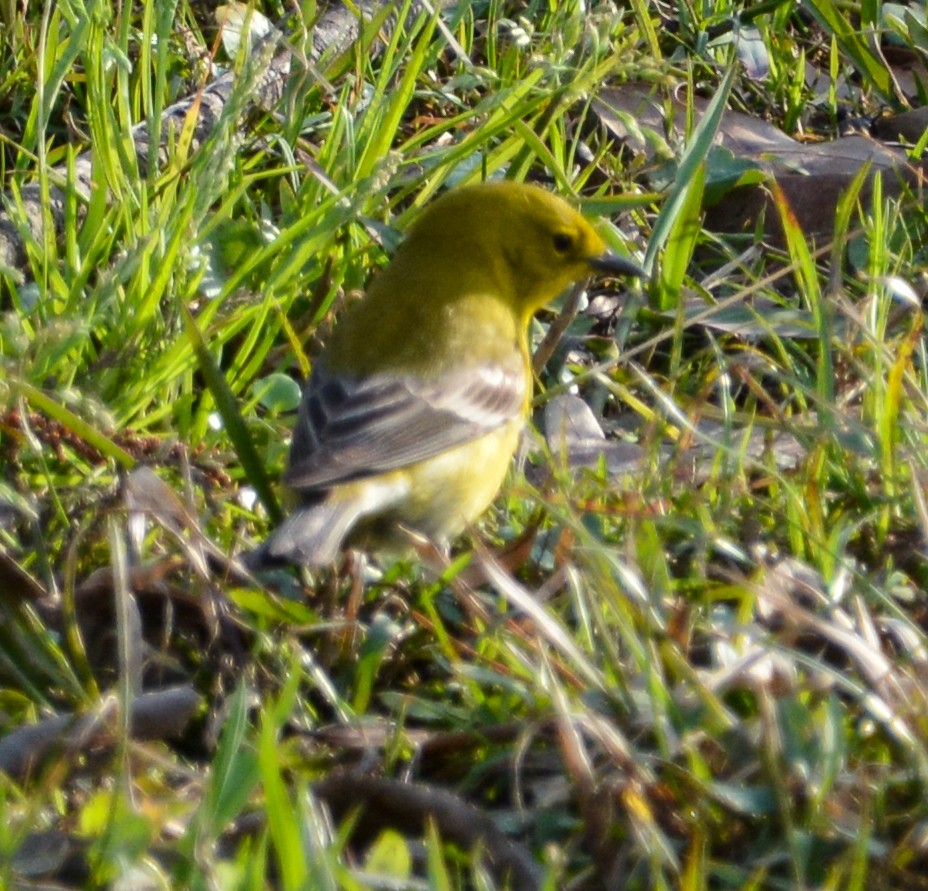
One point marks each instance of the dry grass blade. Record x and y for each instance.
(548, 628)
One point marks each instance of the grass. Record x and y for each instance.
(706, 671)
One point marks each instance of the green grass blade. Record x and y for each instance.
(232, 419)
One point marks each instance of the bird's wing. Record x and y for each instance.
(352, 427)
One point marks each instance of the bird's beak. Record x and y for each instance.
(613, 264)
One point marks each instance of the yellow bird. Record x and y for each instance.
(413, 410)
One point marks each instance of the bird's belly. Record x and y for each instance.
(445, 493)
(457, 487)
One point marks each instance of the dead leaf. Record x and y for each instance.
(573, 434)
(798, 167)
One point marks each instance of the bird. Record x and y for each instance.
(413, 409)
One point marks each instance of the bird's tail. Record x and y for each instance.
(311, 536)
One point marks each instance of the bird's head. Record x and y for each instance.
(532, 242)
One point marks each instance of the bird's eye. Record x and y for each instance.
(563, 242)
